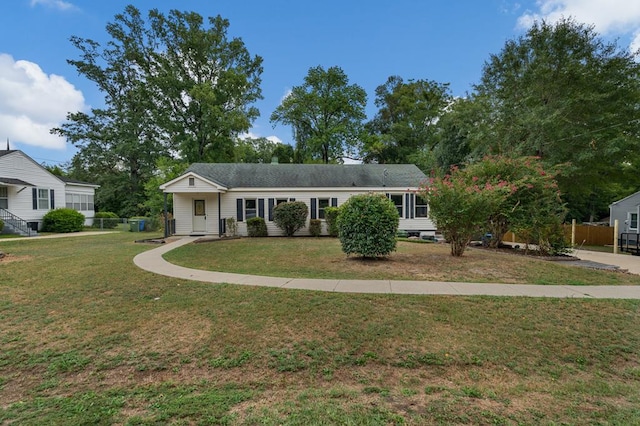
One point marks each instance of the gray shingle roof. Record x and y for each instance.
(12, 181)
(4, 152)
(242, 175)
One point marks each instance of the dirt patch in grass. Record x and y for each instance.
(11, 258)
(171, 332)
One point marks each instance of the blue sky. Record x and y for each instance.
(442, 40)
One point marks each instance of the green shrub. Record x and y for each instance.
(331, 217)
(367, 225)
(63, 220)
(152, 224)
(105, 220)
(290, 216)
(315, 227)
(256, 227)
(1, 225)
(232, 227)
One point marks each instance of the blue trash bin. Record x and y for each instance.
(141, 222)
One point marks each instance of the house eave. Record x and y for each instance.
(326, 189)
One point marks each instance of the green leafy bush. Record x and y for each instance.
(256, 227)
(232, 227)
(315, 227)
(331, 217)
(63, 220)
(152, 224)
(367, 225)
(105, 220)
(1, 225)
(290, 216)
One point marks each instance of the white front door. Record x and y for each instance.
(199, 216)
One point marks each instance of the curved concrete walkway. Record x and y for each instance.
(152, 261)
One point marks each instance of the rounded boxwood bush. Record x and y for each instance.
(63, 220)
(290, 216)
(315, 227)
(105, 220)
(256, 227)
(367, 225)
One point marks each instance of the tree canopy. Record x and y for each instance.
(174, 86)
(404, 123)
(563, 94)
(325, 113)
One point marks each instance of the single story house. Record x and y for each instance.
(28, 191)
(209, 193)
(626, 211)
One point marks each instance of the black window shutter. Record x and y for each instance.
(239, 209)
(313, 208)
(270, 204)
(261, 207)
(53, 203)
(407, 206)
(413, 206)
(34, 193)
(334, 202)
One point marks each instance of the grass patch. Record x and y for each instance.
(100, 341)
(323, 258)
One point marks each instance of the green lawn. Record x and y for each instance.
(323, 258)
(88, 338)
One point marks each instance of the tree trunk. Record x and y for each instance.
(458, 245)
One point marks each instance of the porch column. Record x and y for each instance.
(166, 217)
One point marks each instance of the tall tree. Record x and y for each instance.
(204, 83)
(325, 113)
(563, 94)
(403, 129)
(119, 143)
(172, 86)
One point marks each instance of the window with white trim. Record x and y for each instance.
(80, 202)
(398, 200)
(421, 209)
(250, 208)
(633, 221)
(4, 197)
(281, 200)
(323, 203)
(43, 199)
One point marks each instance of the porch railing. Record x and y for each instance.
(18, 224)
(629, 243)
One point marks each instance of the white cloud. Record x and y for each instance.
(274, 139)
(252, 135)
(286, 95)
(56, 4)
(635, 43)
(608, 16)
(32, 102)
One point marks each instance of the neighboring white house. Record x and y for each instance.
(627, 212)
(209, 193)
(28, 191)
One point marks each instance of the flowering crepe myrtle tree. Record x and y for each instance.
(460, 205)
(494, 195)
(534, 199)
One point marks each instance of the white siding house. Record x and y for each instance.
(28, 191)
(627, 212)
(207, 194)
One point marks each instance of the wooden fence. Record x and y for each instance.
(585, 235)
